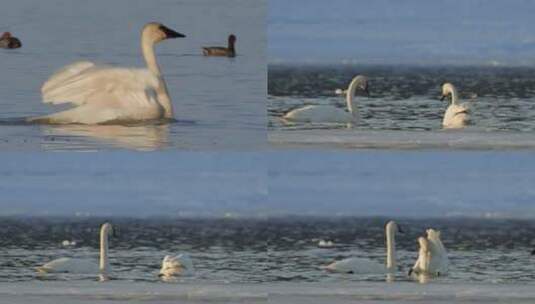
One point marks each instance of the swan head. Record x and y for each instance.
(360, 83)
(156, 32)
(447, 90)
(393, 227)
(107, 228)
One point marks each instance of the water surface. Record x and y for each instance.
(403, 109)
(253, 260)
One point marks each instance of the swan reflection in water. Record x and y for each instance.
(136, 137)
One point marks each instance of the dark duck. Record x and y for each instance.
(229, 51)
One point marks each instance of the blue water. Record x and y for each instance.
(219, 102)
(401, 32)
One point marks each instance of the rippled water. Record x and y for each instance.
(406, 99)
(221, 250)
(490, 251)
(248, 260)
(266, 250)
(219, 102)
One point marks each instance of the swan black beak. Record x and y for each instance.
(169, 33)
(400, 230)
(443, 97)
(366, 92)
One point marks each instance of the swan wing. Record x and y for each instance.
(356, 265)
(85, 83)
(67, 72)
(69, 265)
(439, 262)
(176, 265)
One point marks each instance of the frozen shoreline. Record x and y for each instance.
(402, 140)
(283, 292)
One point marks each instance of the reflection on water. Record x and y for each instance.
(146, 138)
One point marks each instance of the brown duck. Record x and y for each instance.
(229, 51)
(9, 42)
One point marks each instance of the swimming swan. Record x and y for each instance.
(85, 266)
(105, 94)
(176, 265)
(326, 113)
(457, 115)
(363, 265)
(432, 256)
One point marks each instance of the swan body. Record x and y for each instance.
(83, 266)
(105, 94)
(330, 114)
(70, 265)
(367, 266)
(325, 244)
(229, 51)
(9, 42)
(356, 265)
(432, 256)
(67, 243)
(176, 265)
(457, 115)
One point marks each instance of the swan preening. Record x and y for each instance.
(176, 265)
(7, 41)
(229, 51)
(83, 266)
(106, 94)
(331, 114)
(457, 115)
(432, 256)
(367, 266)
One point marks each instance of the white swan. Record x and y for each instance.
(326, 244)
(105, 94)
(432, 257)
(326, 113)
(83, 266)
(176, 265)
(457, 115)
(363, 265)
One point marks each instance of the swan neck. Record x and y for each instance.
(104, 265)
(454, 95)
(390, 250)
(147, 47)
(350, 94)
